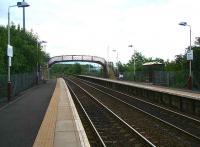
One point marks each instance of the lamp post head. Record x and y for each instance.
(183, 23)
(22, 4)
(130, 46)
(43, 41)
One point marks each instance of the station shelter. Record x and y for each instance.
(150, 68)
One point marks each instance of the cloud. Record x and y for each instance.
(90, 26)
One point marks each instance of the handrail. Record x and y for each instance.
(87, 58)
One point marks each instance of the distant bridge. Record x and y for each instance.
(79, 58)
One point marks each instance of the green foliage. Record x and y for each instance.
(180, 79)
(196, 61)
(74, 69)
(180, 63)
(197, 42)
(77, 68)
(139, 61)
(177, 69)
(3, 42)
(24, 50)
(121, 67)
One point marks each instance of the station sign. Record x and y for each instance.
(9, 51)
(190, 55)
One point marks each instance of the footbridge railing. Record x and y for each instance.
(80, 58)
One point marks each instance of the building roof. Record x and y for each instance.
(152, 63)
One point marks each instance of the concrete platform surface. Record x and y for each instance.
(173, 91)
(20, 120)
(61, 126)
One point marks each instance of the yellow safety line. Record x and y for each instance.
(45, 136)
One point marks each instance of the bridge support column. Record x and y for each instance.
(105, 72)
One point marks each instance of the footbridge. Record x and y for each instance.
(80, 58)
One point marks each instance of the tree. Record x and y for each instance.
(197, 42)
(180, 62)
(159, 60)
(121, 67)
(3, 42)
(25, 50)
(139, 60)
(77, 68)
(196, 60)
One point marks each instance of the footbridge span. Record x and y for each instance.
(81, 58)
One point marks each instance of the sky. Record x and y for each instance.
(97, 27)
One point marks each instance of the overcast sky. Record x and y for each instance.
(92, 27)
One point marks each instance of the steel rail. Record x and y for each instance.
(194, 136)
(119, 118)
(88, 118)
(160, 107)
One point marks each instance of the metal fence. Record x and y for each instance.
(20, 82)
(176, 79)
(196, 79)
(139, 76)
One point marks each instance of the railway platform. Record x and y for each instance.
(61, 126)
(44, 116)
(182, 100)
(171, 91)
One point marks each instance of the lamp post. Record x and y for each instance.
(38, 43)
(9, 49)
(133, 60)
(116, 60)
(108, 53)
(191, 58)
(24, 17)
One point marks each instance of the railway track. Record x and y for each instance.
(109, 129)
(185, 123)
(163, 127)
